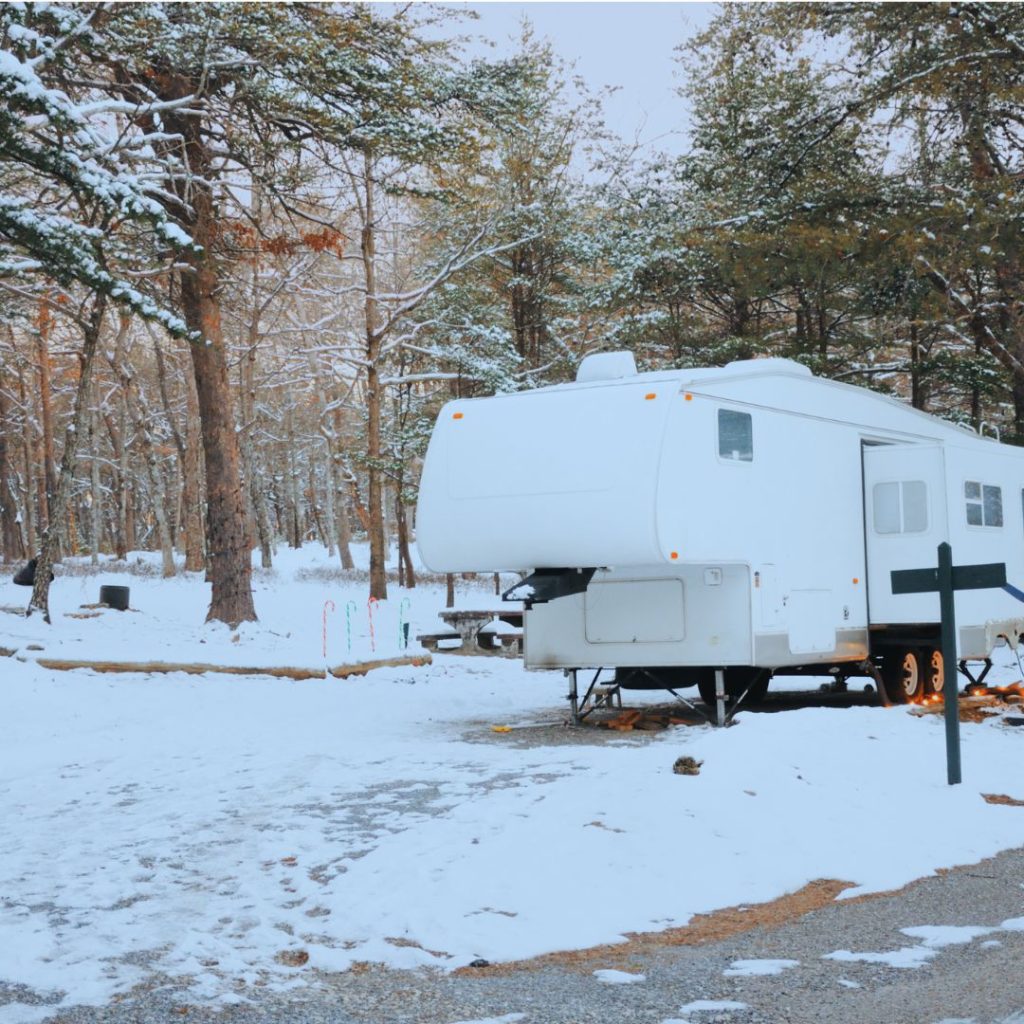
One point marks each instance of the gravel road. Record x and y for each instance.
(980, 980)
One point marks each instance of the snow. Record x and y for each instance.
(706, 1005)
(508, 1018)
(757, 968)
(906, 957)
(933, 938)
(201, 826)
(612, 977)
(939, 936)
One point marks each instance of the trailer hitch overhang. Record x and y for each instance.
(544, 585)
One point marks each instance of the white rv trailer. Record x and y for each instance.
(743, 518)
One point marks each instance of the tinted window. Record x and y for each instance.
(984, 504)
(735, 435)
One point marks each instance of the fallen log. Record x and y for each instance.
(190, 668)
(360, 668)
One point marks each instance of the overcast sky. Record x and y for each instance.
(629, 45)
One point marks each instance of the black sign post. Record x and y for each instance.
(947, 579)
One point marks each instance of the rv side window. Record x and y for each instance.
(735, 435)
(984, 504)
(901, 507)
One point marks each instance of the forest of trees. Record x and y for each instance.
(246, 251)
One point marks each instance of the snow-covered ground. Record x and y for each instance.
(241, 830)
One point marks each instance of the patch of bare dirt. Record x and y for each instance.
(1003, 799)
(703, 929)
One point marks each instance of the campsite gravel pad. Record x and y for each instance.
(975, 981)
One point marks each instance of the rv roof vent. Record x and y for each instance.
(606, 366)
(771, 365)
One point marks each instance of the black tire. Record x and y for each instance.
(934, 672)
(903, 672)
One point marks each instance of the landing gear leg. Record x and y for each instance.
(869, 668)
(720, 696)
(573, 697)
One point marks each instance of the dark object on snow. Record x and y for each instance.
(480, 963)
(1013, 720)
(115, 597)
(687, 766)
(26, 575)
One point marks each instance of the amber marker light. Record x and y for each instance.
(855, 580)
(456, 415)
(674, 554)
(649, 396)
(687, 397)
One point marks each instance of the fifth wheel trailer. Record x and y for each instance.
(743, 518)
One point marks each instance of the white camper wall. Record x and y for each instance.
(793, 513)
(986, 611)
(558, 478)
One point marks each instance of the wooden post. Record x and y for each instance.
(950, 690)
(947, 579)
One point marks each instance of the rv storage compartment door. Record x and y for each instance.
(559, 478)
(905, 521)
(634, 611)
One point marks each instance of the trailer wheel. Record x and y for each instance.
(903, 672)
(934, 671)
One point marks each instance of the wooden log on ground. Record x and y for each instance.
(190, 668)
(360, 668)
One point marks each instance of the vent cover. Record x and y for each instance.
(606, 366)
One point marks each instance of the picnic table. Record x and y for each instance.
(467, 626)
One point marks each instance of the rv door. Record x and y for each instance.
(905, 521)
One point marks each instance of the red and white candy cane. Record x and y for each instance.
(328, 606)
(371, 606)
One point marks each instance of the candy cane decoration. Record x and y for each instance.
(350, 609)
(326, 603)
(370, 606)
(403, 626)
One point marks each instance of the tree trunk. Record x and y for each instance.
(44, 324)
(117, 488)
(26, 446)
(257, 496)
(95, 492)
(341, 503)
(10, 537)
(40, 600)
(375, 496)
(404, 554)
(156, 486)
(229, 558)
(228, 552)
(189, 464)
(314, 510)
(294, 491)
(330, 517)
(192, 484)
